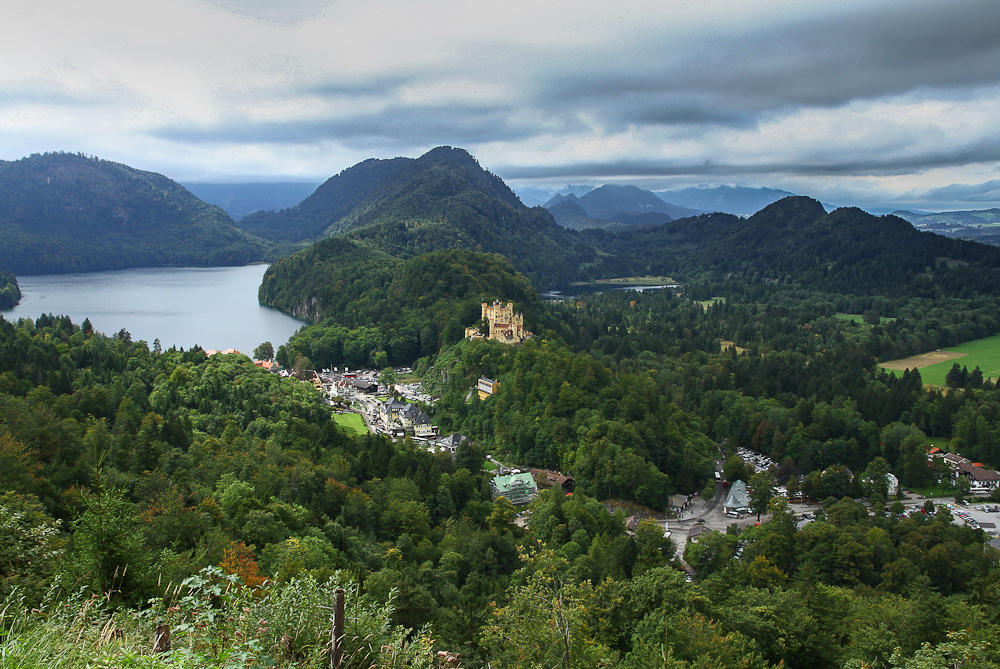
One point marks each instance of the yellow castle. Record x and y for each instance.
(505, 325)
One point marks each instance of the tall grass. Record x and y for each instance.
(214, 621)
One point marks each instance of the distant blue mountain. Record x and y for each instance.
(537, 197)
(239, 200)
(614, 204)
(738, 200)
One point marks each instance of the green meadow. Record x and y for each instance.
(351, 422)
(857, 318)
(984, 353)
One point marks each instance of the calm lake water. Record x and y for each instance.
(213, 307)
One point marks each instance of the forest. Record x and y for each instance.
(146, 486)
(64, 212)
(10, 292)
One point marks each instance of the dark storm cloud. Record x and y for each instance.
(401, 126)
(868, 165)
(732, 77)
(988, 191)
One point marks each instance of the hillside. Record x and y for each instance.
(796, 241)
(64, 212)
(405, 207)
(373, 309)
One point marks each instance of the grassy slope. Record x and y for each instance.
(982, 352)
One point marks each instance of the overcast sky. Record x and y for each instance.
(894, 101)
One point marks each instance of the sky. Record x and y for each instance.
(893, 102)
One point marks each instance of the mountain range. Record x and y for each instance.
(610, 204)
(66, 212)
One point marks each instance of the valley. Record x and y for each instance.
(151, 483)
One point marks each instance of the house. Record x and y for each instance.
(679, 502)
(422, 426)
(364, 386)
(452, 442)
(516, 488)
(893, 484)
(389, 410)
(953, 460)
(546, 478)
(981, 479)
(738, 500)
(486, 387)
(408, 414)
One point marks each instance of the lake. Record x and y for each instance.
(213, 307)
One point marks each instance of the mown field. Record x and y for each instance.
(984, 353)
(351, 421)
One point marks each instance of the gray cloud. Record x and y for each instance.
(399, 126)
(988, 191)
(729, 78)
(862, 164)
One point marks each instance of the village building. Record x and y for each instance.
(504, 325)
(982, 480)
(738, 500)
(389, 410)
(423, 428)
(546, 478)
(486, 387)
(516, 488)
(452, 442)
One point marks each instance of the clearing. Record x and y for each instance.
(628, 280)
(934, 366)
(351, 422)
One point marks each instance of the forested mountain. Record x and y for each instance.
(64, 212)
(444, 199)
(796, 241)
(242, 199)
(373, 309)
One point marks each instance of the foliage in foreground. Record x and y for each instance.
(215, 621)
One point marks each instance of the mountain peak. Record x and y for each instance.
(791, 210)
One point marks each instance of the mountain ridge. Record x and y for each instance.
(63, 212)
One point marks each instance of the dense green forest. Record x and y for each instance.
(209, 494)
(10, 292)
(62, 212)
(373, 309)
(795, 241)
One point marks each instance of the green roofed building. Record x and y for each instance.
(517, 488)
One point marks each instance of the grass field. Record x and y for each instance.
(352, 422)
(934, 366)
(857, 318)
(628, 281)
(709, 302)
